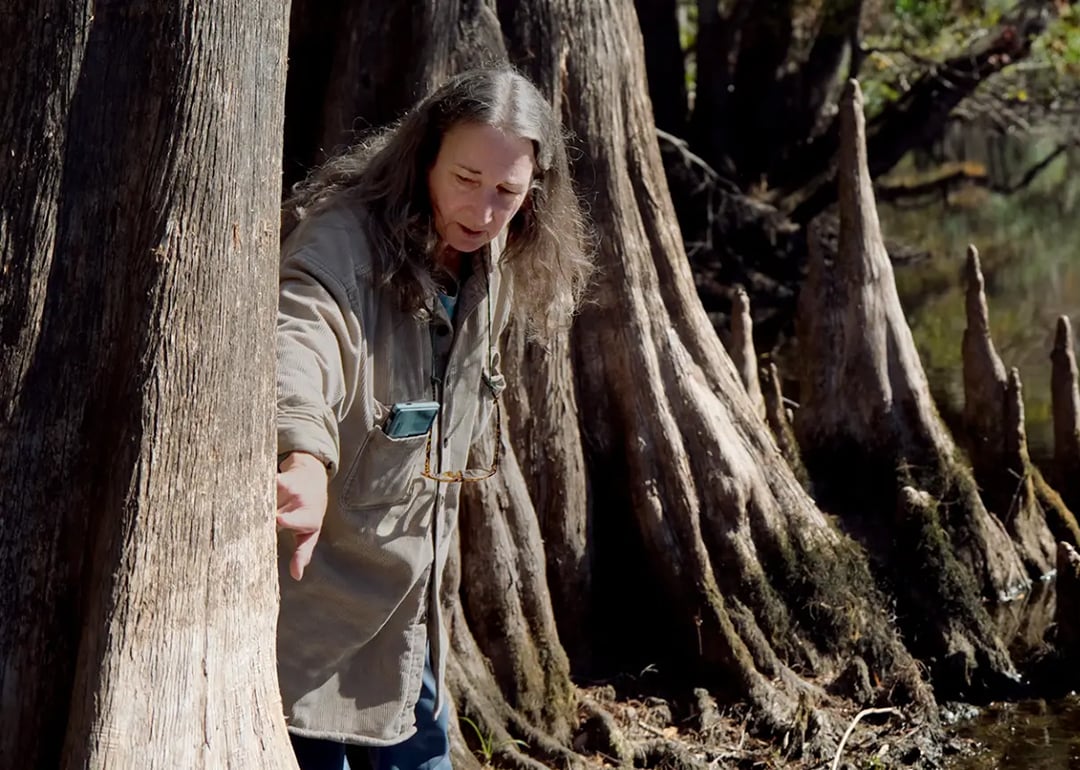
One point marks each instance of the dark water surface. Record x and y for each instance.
(1032, 735)
(1029, 243)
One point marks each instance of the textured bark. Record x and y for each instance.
(699, 525)
(741, 349)
(869, 431)
(1067, 614)
(480, 699)
(994, 418)
(1066, 408)
(421, 46)
(504, 592)
(765, 41)
(718, 40)
(139, 173)
(543, 425)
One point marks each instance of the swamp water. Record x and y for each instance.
(1031, 735)
(1029, 244)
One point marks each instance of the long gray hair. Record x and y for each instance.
(547, 251)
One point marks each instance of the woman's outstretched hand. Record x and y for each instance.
(301, 505)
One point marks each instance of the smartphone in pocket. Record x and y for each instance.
(410, 418)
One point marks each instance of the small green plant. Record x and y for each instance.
(488, 746)
(875, 763)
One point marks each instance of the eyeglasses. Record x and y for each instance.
(464, 477)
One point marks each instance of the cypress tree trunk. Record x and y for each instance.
(140, 164)
(698, 523)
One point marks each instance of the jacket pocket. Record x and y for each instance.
(383, 471)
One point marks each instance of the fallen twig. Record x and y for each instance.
(851, 728)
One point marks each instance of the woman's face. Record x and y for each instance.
(478, 182)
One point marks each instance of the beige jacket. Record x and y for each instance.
(352, 634)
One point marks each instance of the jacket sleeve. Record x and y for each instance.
(320, 347)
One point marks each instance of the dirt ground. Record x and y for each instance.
(652, 732)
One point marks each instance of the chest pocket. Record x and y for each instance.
(384, 471)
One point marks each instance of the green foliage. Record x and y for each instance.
(923, 16)
(920, 34)
(488, 746)
(906, 38)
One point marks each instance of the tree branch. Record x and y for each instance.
(965, 174)
(916, 118)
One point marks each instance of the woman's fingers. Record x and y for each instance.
(301, 519)
(301, 505)
(305, 546)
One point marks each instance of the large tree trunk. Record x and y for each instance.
(698, 523)
(873, 442)
(140, 164)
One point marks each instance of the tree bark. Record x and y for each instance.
(1067, 612)
(543, 427)
(140, 159)
(504, 592)
(873, 441)
(1065, 400)
(765, 41)
(699, 524)
(717, 47)
(813, 86)
(994, 417)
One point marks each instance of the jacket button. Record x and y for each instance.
(442, 331)
(446, 441)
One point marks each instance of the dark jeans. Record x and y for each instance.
(427, 749)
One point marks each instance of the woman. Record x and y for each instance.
(395, 286)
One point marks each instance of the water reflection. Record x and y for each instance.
(1032, 735)
(1022, 624)
(1030, 247)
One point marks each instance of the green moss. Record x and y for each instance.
(1059, 518)
(912, 551)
